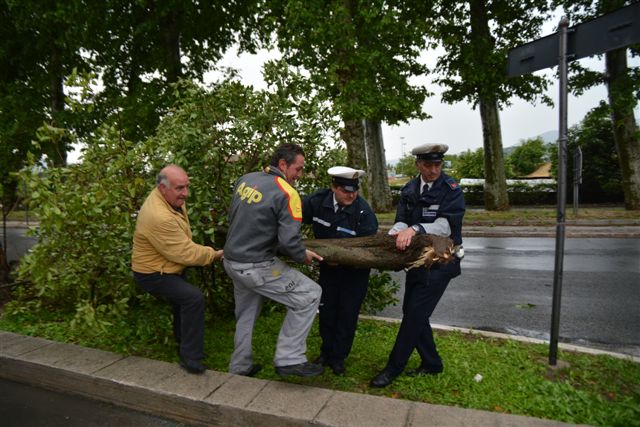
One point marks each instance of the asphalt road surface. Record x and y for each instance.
(23, 405)
(507, 286)
(17, 242)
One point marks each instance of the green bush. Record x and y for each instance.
(81, 263)
(381, 292)
(520, 193)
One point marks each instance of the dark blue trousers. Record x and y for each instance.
(188, 306)
(423, 290)
(343, 290)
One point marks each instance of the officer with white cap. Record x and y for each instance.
(431, 203)
(339, 212)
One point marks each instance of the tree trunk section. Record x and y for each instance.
(625, 130)
(4, 263)
(380, 195)
(495, 182)
(58, 151)
(379, 251)
(353, 136)
(171, 39)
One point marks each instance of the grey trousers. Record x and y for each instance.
(277, 281)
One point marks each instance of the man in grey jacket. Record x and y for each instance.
(265, 218)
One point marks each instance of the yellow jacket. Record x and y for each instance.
(162, 239)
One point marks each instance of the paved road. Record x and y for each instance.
(17, 242)
(23, 405)
(506, 286)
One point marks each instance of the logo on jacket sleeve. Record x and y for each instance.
(452, 183)
(295, 204)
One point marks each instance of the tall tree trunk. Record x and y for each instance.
(625, 130)
(495, 181)
(58, 152)
(353, 136)
(380, 195)
(171, 39)
(363, 138)
(4, 264)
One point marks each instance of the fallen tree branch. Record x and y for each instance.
(379, 251)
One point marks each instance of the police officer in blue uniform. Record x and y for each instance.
(431, 203)
(339, 212)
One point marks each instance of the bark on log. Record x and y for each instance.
(379, 251)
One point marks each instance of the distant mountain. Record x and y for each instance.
(548, 137)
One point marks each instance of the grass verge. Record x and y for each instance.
(594, 390)
(534, 215)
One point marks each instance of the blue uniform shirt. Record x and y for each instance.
(355, 220)
(443, 200)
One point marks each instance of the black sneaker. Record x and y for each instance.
(306, 369)
(192, 366)
(252, 371)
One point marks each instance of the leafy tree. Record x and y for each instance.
(528, 156)
(601, 175)
(470, 164)
(623, 86)
(406, 166)
(38, 46)
(135, 47)
(360, 55)
(476, 36)
(140, 47)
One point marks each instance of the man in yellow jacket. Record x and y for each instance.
(162, 248)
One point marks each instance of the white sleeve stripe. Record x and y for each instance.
(346, 230)
(321, 221)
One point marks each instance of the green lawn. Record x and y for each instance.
(594, 390)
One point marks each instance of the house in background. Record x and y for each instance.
(543, 172)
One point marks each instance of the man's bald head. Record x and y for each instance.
(173, 182)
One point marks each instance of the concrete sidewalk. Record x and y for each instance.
(217, 398)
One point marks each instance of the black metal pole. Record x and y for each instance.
(577, 178)
(562, 193)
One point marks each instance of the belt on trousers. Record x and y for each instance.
(247, 265)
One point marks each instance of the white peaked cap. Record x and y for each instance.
(345, 172)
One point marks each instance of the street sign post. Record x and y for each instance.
(614, 30)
